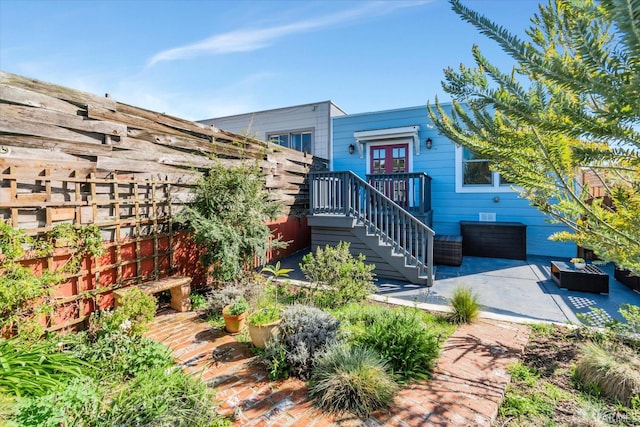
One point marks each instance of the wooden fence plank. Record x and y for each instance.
(21, 96)
(40, 115)
(18, 126)
(47, 143)
(71, 95)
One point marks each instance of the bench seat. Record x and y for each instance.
(179, 286)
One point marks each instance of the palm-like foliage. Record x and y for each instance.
(571, 103)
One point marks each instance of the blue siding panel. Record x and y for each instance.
(448, 206)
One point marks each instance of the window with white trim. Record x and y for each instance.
(473, 174)
(300, 141)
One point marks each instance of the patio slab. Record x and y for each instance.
(514, 290)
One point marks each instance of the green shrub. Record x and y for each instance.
(161, 397)
(351, 379)
(77, 403)
(115, 352)
(19, 289)
(614, 370)
(228, 218)
(303, 334)
(401, 338)
(198, 301)
(35, 370)
(464, 305)
(337, 277)
(135, 312)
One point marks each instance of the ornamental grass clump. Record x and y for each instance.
(464, 306)
(303, 334)
(352, 379)
(613, 370)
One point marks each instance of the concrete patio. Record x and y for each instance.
(512, 290)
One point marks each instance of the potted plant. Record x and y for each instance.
(235, 316)
(263, 323)
(578, 263)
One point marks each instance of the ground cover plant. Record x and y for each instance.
(548, 388)
(109, 374)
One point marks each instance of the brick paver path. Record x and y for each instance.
(465, 390)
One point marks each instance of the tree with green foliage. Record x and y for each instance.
(228, 218)
(571, 104)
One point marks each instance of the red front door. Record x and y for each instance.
(388, 159)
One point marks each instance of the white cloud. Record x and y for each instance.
(246, 40)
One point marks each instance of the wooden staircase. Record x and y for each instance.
(344, 207)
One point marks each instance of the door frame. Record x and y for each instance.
(407, 141)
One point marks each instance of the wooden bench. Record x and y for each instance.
(180, 287)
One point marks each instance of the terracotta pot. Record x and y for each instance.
(261, 334)
(233, 324)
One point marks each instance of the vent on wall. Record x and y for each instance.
(487, 216)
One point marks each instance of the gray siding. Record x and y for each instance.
(315, 117)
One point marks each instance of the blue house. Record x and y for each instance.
(396, 184)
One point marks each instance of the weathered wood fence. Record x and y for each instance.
(70, 156)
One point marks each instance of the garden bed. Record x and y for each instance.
(544, 390)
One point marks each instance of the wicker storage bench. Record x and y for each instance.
(447, 249)
(625, 277)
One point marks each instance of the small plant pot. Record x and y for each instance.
(234, 324)
(579, 265)
(261, 334)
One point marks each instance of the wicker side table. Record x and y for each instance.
(447, 249)
(587, 279)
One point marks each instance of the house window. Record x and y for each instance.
(473, 174)
(475, 171)
(300, 141)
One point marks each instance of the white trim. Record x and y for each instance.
(365, 136)
(496, 187)
(389, 142)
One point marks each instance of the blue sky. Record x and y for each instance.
(202, 59)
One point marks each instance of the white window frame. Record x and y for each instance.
(495, 187)
(311, 131)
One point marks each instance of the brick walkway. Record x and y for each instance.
(466, 388)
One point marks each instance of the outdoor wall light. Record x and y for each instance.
(352, 148)
(429, 142)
